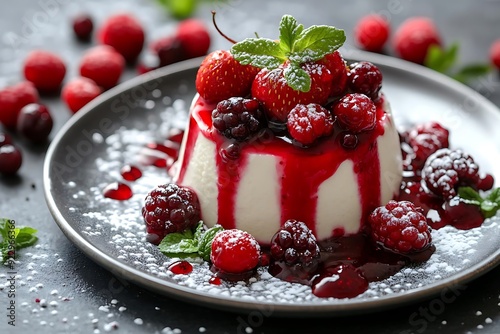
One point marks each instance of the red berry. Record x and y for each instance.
(10, 159)
(45, 69)
(235, 251)
(171, 51)
(103, 65)
(495, 53)
(12, 99)
(125, 33)
(338, 68)
(340, 281)
(365, 78)
(194, 38)
(400, 227)
(306, 123)
(35, 122)
(79, 92)
(414, 37)
(371, 32)
(83, 27)
(5, 139)
(238, 118)
(278, 98)
(356, 112)
(220, 77)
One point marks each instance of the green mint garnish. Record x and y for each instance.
(189, 244)
(14, 238)
(444, 61)
(296, 44)
(489, 205)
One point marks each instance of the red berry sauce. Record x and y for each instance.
(215, 280)
(118, 191)
(181, 267)
(130, 173)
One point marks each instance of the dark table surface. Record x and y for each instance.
(82, 297)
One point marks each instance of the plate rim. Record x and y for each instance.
(305, 309)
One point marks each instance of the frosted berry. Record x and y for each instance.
(103, 65)
(238, 118)
(400, 227)
(338, 68)
(356, 112)
(194, 37)
(235, 251)
(295, 243)
(12, 99)
(306, 123)
(78, 92)
(125, 33)
(446, 170)
(425, 139)
(365, 78)
(372, 32)
(45, 70)
(10, 159)
(495, 53)
(170, 208)
(35, 122)
(83, 27)
(414, 37)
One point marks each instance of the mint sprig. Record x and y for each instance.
(489, 205)
(189, 244)
(14, 238)
(296, 44)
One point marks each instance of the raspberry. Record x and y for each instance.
(12, 99)
(365, 78)
(425, 139)
(235, 251)
(306, 123)
(194, 37)
(79, 92)
(125, 34)
(495, 53)
(83, 27)
(446, 170)
(294, 243)
(400, 227)
(5, 139)
(10, 159)
(356, 112)
(170, 208)
(414, 37)
(35, 122)
(371, 32)
(103, 65)
(237, 117)
(45, 69)
(337, 66)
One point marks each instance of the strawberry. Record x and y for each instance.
(220, 77)
(271, 88)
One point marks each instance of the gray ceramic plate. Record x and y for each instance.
(112, 130)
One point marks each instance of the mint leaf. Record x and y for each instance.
(178, 243)
(258, 52)
(297, 78)
(205, 245)
(23, 237)
(471, 195)
(316, 42)
(472, 71)
(289, 30)
(26, 237)
(199, 231)
(494, 196)
(489, 208)
(489, 205)
(441, 60)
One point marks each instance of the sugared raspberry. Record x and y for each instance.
(371, 32)
(365, 78)
(356, 112)
(414, 37)
(125, 33)
(237, 117)
(495, 53)
(170, 208)
(425, 139)
(35, 122)
(103, 65)
(400, 227)
(295, 243)
(12, 99)
(10, 159)
(306, 123)
(79, 92)
(194, 37)
(446, 170)
(45, 70)
(83, 27)
(235, 251)
(338, 68)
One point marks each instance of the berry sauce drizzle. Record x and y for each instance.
(117, 191)
(181, 267)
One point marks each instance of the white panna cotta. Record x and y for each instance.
(330, 188)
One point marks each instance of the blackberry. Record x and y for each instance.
(238, 118)
(170, 208)
(294, 243)
(365, 78)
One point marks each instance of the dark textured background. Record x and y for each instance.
(87, 298)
